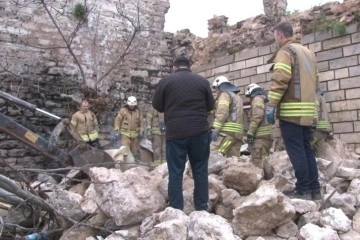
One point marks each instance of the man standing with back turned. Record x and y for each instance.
(292, 98)
(186, 98)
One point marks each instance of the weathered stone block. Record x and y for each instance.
(258, 78)
(350, 82)
(333, 85)
(346, 105)
(341, 73)
(242, 81)
(354, 71)
(248, 72)
(352, 50)
(246, 54)
(220, 70)
(335, 96)
(352, 93)
(344, 62)
(264, 50)
(343, 116)
(355, 38)
(319, 36)
(264, 68)
(254, 62)
(325, 76)
(224, 61)
(343, 127)
(309, 38)
(315, 47)
(329, 54)
(337, 42)
(237, 66)
(233, 75)
(350, 137)
(323, 66)
(357, 126)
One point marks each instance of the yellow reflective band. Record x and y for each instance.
(265, 130)
(283, 66)
(297, 113)
(323, 124)
(289, 105)
(130, 134)
(74, 123)
(225, 146)
(261, 105)
(275, 95)
(226, 103)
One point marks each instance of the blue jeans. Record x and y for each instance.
(297, 141)
(197, 148)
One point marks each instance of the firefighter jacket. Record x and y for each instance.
(293, 84)
(128, 122)
(155, 121)
(229, 115)
(86, 125)
(258, 126)
(323, 123)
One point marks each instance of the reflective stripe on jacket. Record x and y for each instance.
(294, 83)
(323, 123)
(86, 125)
(229, 115)
(128, 122)
(258, 127)
(153, 120)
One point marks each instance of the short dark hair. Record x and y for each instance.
(285, 28)
(181, 61)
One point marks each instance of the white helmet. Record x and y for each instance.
(131, 101)
(219, 80)
(250, 88)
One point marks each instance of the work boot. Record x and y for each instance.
(316, 195)
(296, 194)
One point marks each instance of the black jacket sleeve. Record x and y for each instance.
(210, 102)
(158, 101)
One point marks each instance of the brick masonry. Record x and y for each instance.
(338, 60)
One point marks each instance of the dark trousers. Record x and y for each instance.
(95, 144)
(297, 140)
(197, 148)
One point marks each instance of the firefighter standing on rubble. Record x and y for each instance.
(292, 98)
(86, 124)
(227, 128)
(156, 131)
(128, 124)
(259, 134)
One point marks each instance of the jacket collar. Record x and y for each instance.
(286, 42)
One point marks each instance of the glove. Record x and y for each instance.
(249, 138)
(270, 115)
(214, 136)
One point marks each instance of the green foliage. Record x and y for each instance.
(289, 13)
(323, 25)
(80, 11)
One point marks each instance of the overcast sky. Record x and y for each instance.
(194, 14)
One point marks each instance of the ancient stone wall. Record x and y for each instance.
(36, 66)
(338, 59)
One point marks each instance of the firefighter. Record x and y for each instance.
(292, 99)
(259, 134)
(323, 131)
(227, 128)
(129, 126)
(155, 131)
(86, 124)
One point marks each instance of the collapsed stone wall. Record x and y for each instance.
(36, 66)
(338, 59)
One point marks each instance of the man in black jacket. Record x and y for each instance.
(186, 98)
